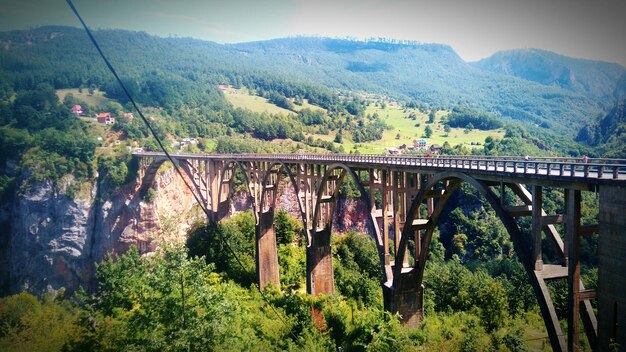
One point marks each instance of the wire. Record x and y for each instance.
(119, 81)
(143, 118)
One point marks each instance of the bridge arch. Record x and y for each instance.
(320, 279)
(266, 197)
(150, 172)
(409, 282)
(223, 196)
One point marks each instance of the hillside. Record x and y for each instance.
(608, 134)
(183, 70)
(591, 78)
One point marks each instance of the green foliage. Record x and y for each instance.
(288, 229)
(357, 269)
(214, 243)
(27, 324)
(117, 169)
(465, 117)
(170, 301)
(44, 139)
(149, 195)
(428, 132)
(431, 116)
(452, 287)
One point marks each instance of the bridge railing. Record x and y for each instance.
(563, 167)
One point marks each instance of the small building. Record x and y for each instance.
(419, 144)
(77, 110)
(128, 115)
(435, 148)
(393, 151)
(106, 118)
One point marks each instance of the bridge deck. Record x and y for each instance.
(514, 169)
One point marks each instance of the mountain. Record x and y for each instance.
(608, 134)
(181, 67)
(591, 78)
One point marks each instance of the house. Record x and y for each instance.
(106, 118)
(420, 144)
(435, 148)
(393, 151)
(77, 110)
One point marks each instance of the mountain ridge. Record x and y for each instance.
(429, 73)
(589, 77)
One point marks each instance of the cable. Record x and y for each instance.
(206, 211)
(119, 81)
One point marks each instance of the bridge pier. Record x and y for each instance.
(611, 270)
(320, 278)
(267, 270)
(406, 300)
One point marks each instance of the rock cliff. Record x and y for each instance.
(54, 241)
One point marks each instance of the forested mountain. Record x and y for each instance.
(608, 134)
(167, 71)
(591, 78)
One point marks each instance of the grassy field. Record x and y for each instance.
(395, 116)
(241, 98)
(97, 98)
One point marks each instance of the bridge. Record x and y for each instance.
(412, 193)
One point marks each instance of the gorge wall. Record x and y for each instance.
(53, 241)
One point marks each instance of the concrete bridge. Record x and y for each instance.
(414, 191)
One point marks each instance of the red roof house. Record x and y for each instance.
(105, 117)
(77, 110)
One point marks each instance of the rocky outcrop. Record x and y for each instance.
(50, 239)
(55, 241)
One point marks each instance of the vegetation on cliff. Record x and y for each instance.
(202, 297)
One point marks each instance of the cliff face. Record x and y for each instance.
(54, 241)
(50, 239)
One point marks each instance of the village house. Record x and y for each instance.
(77, 110)
(419, 144)
(106, 118)
(435, 148)
(393, 151)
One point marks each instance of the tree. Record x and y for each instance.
(447, 128)
(339, 137)
(428, 132)
(431, 116)
(398, 136)
(287, 227)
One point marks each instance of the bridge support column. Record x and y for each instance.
(319, 267)
(407, 299)
(267, 271)
(611, 271)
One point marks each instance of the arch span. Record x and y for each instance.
(230, 167)
(409, 282)
(266, 246)
(267, 184)
(320, 278)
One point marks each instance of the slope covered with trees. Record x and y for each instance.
(428, 73)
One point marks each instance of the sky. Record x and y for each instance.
(591, 29)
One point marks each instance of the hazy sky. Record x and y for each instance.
(593, 29)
